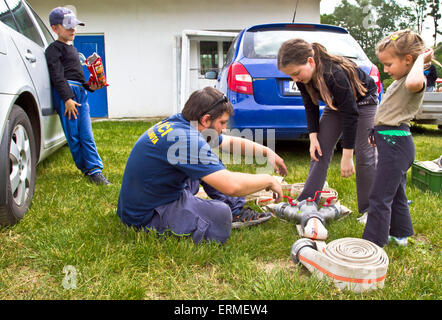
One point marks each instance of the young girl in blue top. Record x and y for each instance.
(404, 59)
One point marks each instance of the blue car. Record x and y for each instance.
(262, 96)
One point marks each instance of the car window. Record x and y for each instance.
(46, 33)
(24, 21)
(231, 52)
(266, 43)
(6, 16)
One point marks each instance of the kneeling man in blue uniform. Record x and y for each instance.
(171, 159)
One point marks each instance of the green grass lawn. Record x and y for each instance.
(74, 223)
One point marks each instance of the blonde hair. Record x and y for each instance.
(402, 43)
(297, 51)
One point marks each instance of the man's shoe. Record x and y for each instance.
(248, 217)
(399, 241)
(99, 178)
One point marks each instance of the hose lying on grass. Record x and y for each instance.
(355, 264)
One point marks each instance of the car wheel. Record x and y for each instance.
(22, 171)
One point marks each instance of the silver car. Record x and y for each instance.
(30, 129)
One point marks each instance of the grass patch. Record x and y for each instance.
(73, 222)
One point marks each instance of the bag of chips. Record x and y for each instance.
(95, 67)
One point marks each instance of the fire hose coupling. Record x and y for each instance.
(298, 246)
(306, 213)
(283, 210)
(309, 215)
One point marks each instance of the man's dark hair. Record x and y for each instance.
(200, 102)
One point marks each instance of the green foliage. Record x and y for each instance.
(73, 222)
(369, 21)
(387, 82)
(436, 14)
(438, 57)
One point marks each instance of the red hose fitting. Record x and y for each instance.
(316, 193)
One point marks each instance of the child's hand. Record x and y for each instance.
(314, 146)
(371, 139)
(94, 86)
(428, 55)
(347, 166)
(71, 108)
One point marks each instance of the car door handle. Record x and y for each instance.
(30, 57)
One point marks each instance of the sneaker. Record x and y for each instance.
(99, 178)
(363, 219)
(399, 241)
(249, 217)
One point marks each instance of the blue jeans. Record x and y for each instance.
(78, 131)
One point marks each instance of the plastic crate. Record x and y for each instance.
(426, 179)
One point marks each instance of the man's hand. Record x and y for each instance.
(71, 108)
(277, 162)
(280, 166)
(276, 187)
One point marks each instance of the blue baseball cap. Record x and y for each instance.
(65, 17)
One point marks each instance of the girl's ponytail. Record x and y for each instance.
(297, 51)
(401, 43)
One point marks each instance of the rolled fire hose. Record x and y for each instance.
(355, 264)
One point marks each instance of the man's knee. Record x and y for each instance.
(222, 214)
(220, 225)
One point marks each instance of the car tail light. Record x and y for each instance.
(374, 73)
(238, 79)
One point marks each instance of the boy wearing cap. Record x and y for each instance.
(70, 96)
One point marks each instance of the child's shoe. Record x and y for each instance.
(399, 241)
(363, 219)
(99, 178)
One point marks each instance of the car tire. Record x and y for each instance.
(21, 169)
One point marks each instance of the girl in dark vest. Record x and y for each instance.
(351, 101)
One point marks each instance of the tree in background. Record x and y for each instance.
(438, 57)
(369, 21)
(436, 14)
(419, 8)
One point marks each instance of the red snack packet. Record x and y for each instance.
(95, 67)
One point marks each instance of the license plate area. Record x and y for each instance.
(289, 88)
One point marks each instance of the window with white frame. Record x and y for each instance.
(210, 53)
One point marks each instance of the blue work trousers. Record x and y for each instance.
(200, 218)
(78, 131)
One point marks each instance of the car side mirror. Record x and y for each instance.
(212, 75)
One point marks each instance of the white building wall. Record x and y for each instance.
(139, 40)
